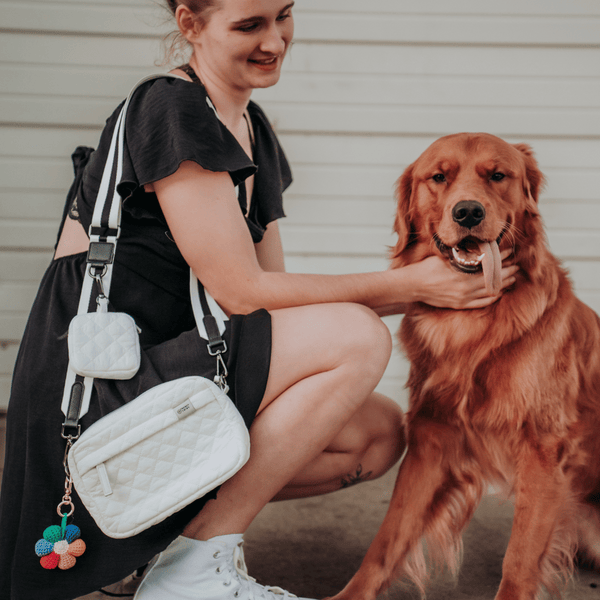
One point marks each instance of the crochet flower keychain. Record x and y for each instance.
(61, 544)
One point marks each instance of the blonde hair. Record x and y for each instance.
(176, 47)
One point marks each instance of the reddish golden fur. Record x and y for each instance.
(508, 394)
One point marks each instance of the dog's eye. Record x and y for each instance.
(497, 176)
(439, 178)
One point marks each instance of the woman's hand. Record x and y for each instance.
(439, 284)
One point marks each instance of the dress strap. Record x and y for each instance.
(188, 70)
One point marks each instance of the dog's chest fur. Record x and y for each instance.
(491, 379)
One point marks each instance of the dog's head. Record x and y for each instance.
(465, 198)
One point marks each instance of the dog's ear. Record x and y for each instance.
(402, 225)
(535, 177)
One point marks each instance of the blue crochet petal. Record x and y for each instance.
(72, 532)
(53, 534)
(43, 547)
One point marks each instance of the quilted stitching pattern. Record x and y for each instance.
(157, 463)
(104, 345)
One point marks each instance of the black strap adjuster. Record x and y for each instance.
(100, 254)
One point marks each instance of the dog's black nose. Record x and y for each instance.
(468, 213)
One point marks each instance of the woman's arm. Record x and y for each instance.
(207, 224)
(269, 250)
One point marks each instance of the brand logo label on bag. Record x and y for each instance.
(185, 409)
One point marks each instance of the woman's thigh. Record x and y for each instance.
(313, 339)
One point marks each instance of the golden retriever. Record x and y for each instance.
(505, 395)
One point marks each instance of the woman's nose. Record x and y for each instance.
(274, 41)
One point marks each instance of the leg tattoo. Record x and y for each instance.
(354, 479)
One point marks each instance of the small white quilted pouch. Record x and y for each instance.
(153, 456)
(104, 345)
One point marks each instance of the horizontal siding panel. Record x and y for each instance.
(481, 90)
(592, 299)
(23, 265)
(12, 326)
(375, 240)
(30, 142)
(456, 7)
(318, 180)
(4, 391)
(383, 120)
(368, 182)
(336, 241)
(307, 148)
(332, 265)
(382, 59)
(340, 211)
(27, 234)
(438, 121)
(17, 297)
(8, 356)
(81, 112)
(376, 211)
(585, 273)
(310, 88)
(140, 56)
(36, 174)
(571, 215)
(18, 204)
(84, 50)
(65, 17)
(395, 151)
(575, 244)
(449, 29)
(392, 28)
(56, 81)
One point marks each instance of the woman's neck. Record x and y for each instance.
(229, 102)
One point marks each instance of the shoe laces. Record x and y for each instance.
(254, 590)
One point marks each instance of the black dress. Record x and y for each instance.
(168, 121)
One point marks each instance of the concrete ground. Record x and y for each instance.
(312, 547)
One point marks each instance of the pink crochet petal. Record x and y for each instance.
(66, 562)
(77, 548)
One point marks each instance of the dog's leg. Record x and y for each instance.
(429, 477)
(589, 536)
(542, 539)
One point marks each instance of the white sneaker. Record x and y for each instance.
(213, 570)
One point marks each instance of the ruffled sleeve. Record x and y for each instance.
(170, 121)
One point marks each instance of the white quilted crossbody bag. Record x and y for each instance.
(170, 446)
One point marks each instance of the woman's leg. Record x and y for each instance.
(369, 445)
(326, 361)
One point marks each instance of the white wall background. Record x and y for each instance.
(368, 86)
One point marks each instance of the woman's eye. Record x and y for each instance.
(439, 178)
(248, 27)
(497, 176)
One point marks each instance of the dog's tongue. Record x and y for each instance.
(492, 266)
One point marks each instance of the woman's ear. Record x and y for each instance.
(403, 225)
(188, 23)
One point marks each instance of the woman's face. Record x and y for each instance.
(243, 43)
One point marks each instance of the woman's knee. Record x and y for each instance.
(347, 338)
(364, 338)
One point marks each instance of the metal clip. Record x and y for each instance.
(222, 373)
(66, 499)
(98, 278)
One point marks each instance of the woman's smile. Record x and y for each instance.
(265, 64)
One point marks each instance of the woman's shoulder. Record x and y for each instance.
(166, 98)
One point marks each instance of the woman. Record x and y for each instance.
(306, 351)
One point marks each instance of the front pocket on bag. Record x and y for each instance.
(158, 453)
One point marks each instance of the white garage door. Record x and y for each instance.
(367, 87)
